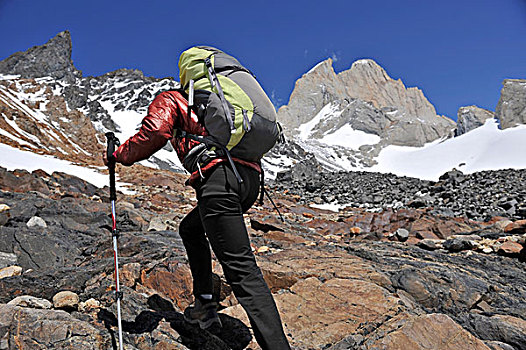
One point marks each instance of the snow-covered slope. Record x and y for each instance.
(68, 120)
(484, 148)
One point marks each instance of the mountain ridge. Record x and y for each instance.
(345, 120)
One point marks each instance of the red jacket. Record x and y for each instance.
(166, 114)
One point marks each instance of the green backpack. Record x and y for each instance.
(230, 103)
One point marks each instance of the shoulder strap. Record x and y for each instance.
(214, 81)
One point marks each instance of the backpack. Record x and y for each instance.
(235, 111)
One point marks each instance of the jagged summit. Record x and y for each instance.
(369, 67)
(66, 113)
(53, 59)
(367, 99)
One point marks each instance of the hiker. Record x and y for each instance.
(225, 176)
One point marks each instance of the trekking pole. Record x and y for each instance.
(112, 142)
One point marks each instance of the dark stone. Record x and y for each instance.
(264, 227)
(52, 59)
(458, 244)
(497, 328)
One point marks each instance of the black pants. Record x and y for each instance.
(219, 212)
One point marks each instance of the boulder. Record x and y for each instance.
(4, 214)
(49, 329)
(66, 300)
(510, 248)
(36, 221)
(471, 117)
(402, 234)
(459, 243)
(30, 301)
(88, 305)
(10, 271)
(511, 108)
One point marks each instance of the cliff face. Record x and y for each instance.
(400, 115)
(52, 59)
(368, 81)
(471, 117)
(511, 109)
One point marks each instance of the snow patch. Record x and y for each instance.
(330, 110)
(348, 137)
(328, 206)
(484, 148)
(13, 158)
(9, 76)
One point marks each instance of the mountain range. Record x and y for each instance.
(358, 119)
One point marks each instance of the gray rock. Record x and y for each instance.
(402, 234)
(53, 329)
(511, 109)
(36, 221)
(497, 345)
(471, 117)
(30, 301)
(458, 244)
(53, 59)
(7, 259)
(507, 329)
(430, 244)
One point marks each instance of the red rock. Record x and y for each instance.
(284, 237)
(496, 219)
(326, 227)
(433, 331)
(510, 248)
(517, 227)
(175, 284)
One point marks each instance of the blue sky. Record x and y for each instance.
(457, 51)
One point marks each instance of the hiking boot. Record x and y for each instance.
(203, 313)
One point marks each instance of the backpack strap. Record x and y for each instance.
(264, 192)
(214, 81)
(209, 142)
(229, 69)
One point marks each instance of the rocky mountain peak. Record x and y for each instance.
(370, 70)
(399, 115)
(324, 68)
(53, 59)
(471, 117)
(368, 81)
(511, 109)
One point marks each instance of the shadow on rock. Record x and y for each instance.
(234, 335)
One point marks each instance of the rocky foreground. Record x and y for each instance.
(406, 266)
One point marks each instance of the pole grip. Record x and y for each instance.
(112, 142)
